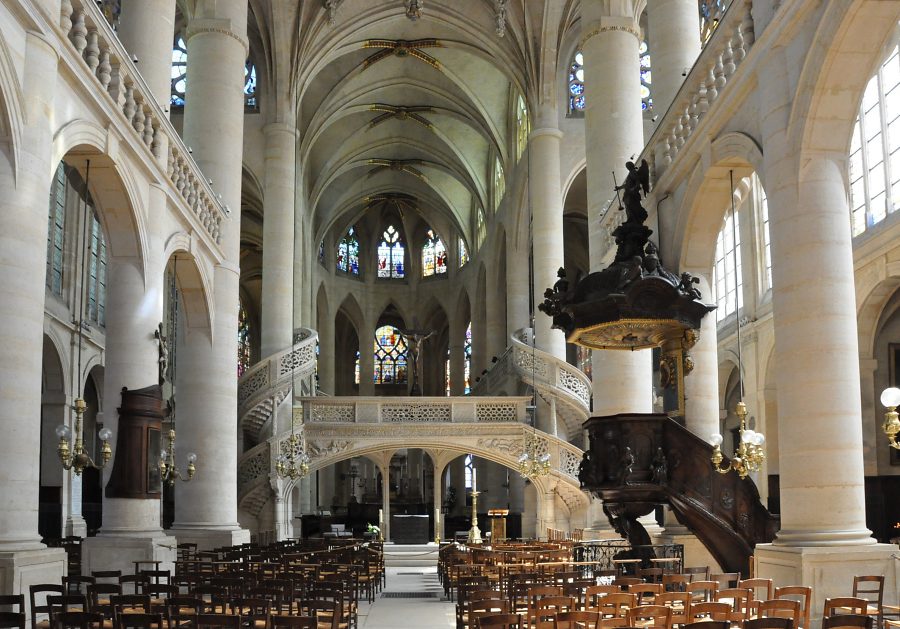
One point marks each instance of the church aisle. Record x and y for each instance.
(429, 611)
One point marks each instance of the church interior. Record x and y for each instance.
(352, 309)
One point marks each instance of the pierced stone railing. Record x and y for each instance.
(262, 387)
(545, 371)
(107, 60)
(728, 46)
(387, 410)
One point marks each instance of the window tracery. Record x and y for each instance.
(499, 183)
(646, 78)
(243, 332)
(322, 252)
(390, 356)
(728, 276)
(434, 255)
(97, 260)
(57, 231)
(523, 127)
(348, 253)
(179, 77)
(467, 367)
(480, 228)
(577, 91)
(763, 204)
(463, 253)
(391, 255)
(711, 13)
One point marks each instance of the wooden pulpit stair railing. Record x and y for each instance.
(637, 461)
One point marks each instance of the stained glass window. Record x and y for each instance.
(434, 255)
(470, 467)
(250, 101)
(727, 275)
(96, 273)
(322, 252)
(711, 12)
(356, 369)
(57, 231)
(463, 252)
(646, 78)
(348, 253)
(447, 374)
(584, 359)
(390, 254)
(390, 356)
(480, 228)
(499, 182)
(523, 127)
(576, 84)
(763, 204)
(179, 72)
(467, 353)
(243, 362)
(875, 149)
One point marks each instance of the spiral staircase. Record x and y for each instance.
(558, 383)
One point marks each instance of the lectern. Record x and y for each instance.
(498, 524)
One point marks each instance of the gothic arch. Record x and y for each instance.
(192, 280)
(11, 109)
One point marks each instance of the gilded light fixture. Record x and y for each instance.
(78, 459)
(293, 462)
(748, 456)
(890, 398)
(532, 464)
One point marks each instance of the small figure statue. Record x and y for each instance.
(638, 180)
(562, 284)
(660, 474)
(414, 341)
(626, 465)
(414, 9)
(586, 473)
(687, 285)
(163, 353)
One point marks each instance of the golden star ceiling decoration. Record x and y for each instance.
(399, 165)
(394, 112)
(402, 48)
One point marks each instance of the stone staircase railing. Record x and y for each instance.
(556, 381)
(265, 385)
(334, 429)
(122, 92)
(728, 46)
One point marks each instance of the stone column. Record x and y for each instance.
(386, 500)
(497, 337)
(823, 515)
(674, 42)
(547, 224)
(701, 387)
(439, 468)
(614, 129)
(518, 313)
(147, 29)
(457, 355)
(23, 243)
(278, 240)
(206, 507)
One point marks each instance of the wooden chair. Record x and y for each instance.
(293, 622)
(780, 608)
(755, 586)
(803, 595)
(680, 602)
(502, 621)
(12, 618)
(106, 575)
(595, 592)
(675, 582)
(845, 604)
(871, 588)
(77, 620)
(726, 579)
(709, 610)
(77, 584)
(217, 621)
(702, 591)
(646, 593)
(140, 621)
(697, 573)
(38, 594)
(327, 613)
(67, 603)
(650, 575)
(624, 582)
(546, 608)
(707, 624)
(611, 623)
(848, 621)
(13, 600)
(658, 616)
(770, 622)
(615, 605)
(485, 607)
(740, 600)
(577, 620)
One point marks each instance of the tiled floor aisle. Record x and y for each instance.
(412, 613)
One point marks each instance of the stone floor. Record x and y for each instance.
(420, 613)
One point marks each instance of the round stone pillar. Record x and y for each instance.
(674, 42)
(147, 28)
(327, 354)
(206, 508)
(278, 240)
(517, 307)
(547, 227)
(701, 386)
(614, 129)
(23, 257)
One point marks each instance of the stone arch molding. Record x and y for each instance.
(12, 114)
(193, 281)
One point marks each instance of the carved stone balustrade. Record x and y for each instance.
(388, 410)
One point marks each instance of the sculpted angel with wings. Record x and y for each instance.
(637, 181)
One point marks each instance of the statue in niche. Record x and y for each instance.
(163, 359)
(626, 466)
(587, 471)
(414, 9)
(660, 468)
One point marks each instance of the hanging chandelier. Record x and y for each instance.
(168, 470)
(749, 455)
(890, 398)
(78, 459)
(532, 464)
(294, 464)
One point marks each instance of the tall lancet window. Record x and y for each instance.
(727, 274)
(480, 228)
(463, 252)
(179, 71)
(96, 273)
(391, 255)
(576, 84)
(243, 332)
(348, 253)
(434, 255)
(523, 127)
(467, 353)
(390, 356)
(499, 183)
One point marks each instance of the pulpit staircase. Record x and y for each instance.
(672, 465)
(523, 366)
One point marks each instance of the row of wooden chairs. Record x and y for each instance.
(593, 620)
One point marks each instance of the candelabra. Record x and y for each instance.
(890, 398)
(531, 464)
(168, 471)
(749, 455)
(78, 459)
(296, 464)
(474, 532)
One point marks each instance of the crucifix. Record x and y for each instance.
(414, 340)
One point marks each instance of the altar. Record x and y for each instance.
(409, 529)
